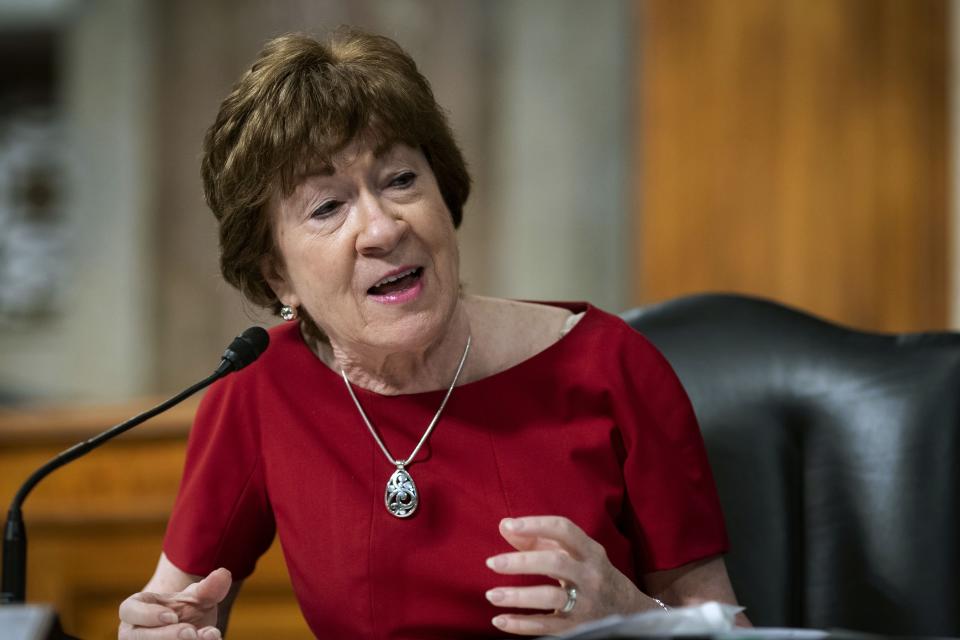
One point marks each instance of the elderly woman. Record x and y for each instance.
(436, 465)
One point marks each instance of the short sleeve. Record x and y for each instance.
(222, 515)
(673, 509)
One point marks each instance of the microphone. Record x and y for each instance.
(244, 349)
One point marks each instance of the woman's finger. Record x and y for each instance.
(554, 563)
(548, 597)
(209, 633)
(535, 625)
(557, 528)
(142, 610)
(195, 605)
(182, 631)
(209, 591)
(527, 542)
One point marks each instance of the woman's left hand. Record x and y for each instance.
(554, 546)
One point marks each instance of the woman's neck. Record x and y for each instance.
(394, 372)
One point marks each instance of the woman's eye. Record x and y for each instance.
(325, 209)
(403, 180)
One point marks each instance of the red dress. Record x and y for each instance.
(595, 428)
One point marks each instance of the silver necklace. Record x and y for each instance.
(401, 497)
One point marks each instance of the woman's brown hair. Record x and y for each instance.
(300, 103)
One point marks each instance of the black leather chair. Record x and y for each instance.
(837, 458)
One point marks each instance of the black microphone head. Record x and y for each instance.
(245, 348)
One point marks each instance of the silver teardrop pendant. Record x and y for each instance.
(401, 496)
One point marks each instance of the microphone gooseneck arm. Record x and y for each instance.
(242, 351)
(14, 535)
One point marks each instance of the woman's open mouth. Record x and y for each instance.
(398, 287)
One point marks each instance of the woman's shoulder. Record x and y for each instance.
(511, 331)
(503, 311)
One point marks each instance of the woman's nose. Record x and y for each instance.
(381, 227)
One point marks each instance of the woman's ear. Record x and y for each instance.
(276, 276)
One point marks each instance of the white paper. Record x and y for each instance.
(710, 618)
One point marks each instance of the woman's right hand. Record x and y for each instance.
(190, 614)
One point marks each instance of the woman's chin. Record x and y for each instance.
(406, 334)
(399, 327)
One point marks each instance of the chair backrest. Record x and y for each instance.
(837, 458)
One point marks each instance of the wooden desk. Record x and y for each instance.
(94, 528)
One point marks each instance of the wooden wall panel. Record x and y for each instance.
(795, 149)
(95, 527)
